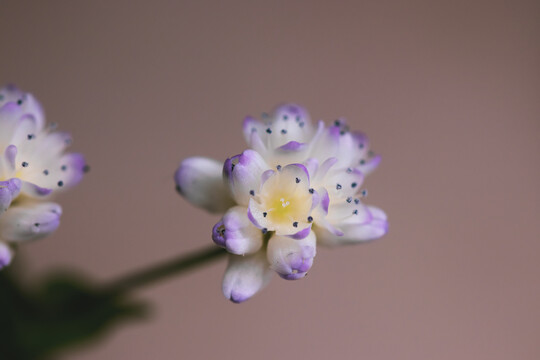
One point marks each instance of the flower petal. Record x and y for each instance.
(9, 190)
(236, 233)
(6, 254)
(355, 232)
(61, 173)
(243, 173)
(200, 181)
(26, 102)
(290, 258)
(245, 276)
(29, 221)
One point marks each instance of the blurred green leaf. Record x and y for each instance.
(62, 311)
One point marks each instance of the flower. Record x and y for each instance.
(295, 186)
(33, 166)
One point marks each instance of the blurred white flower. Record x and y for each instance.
(33, 166)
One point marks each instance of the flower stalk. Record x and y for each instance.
(161, 271)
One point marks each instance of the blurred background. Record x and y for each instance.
(448, 92)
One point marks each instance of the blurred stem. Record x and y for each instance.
(163, 270)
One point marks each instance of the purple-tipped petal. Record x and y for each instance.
(34, 191)
(6, 254)
(291, 146)
(244, 175)
(200, 181)
(291, 259)
(26, 102)
(236, 233)
(9, 190)
(245, 276)
(29, 221)
(302, 234)
(10, 154)
(367, 166)
(353, 232)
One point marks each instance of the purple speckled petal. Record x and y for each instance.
(29, 221)
(25, 101)
(9, 190)
(245, 276)
(62, 173)
(343, 182)
(6, 254)
(243, 173)
(236, 233)
(34, 191)
(353, 233)
(291, 259)
(367, 166)
(251, 125)
(73, 166)
(200, 181)
(302, 234)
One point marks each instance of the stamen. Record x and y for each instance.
(60, 183)
(24, 164)
(264, 214)
(349, 199)
(278, 167)
(63, 168)
(338, 187)
(353, 185)
(362, 162)
(311, 190)
(264, 230)
(364, 192)
(30, 136)
(295, 224)
(269, 131)
(283, 131)
(357, 201)
(297, 180)
(252, 192)
(45, 172)
(355, 212)
(310, 219)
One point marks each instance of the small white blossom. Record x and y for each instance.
(33, 166)
(297, 185)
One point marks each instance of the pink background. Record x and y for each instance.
(448, 92)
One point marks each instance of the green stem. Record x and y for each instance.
(163, 270)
